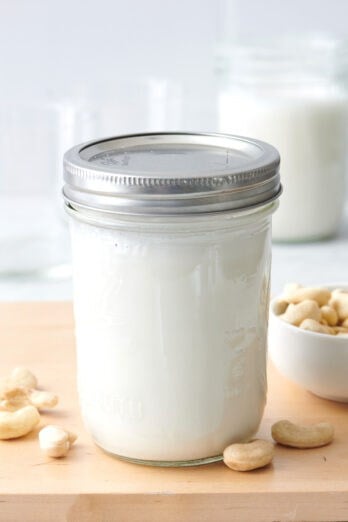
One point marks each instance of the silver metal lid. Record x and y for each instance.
(171, 173)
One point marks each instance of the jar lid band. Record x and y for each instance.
(171, 173)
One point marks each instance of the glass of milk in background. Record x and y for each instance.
(292, 93)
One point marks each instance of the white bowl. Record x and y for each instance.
(318, 362)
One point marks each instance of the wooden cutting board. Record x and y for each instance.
(90, 486)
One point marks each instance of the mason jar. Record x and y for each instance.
(293, 93)
(171, 242)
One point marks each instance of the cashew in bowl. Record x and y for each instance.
(294, 293)
(345, 323)
(314, 326)
(297, 436)
(249, 455)
(339, 301)
(314, 309)
(280, 306)
(296, 313)
(17, 423)
(340, 330)
(329, 315)
(55, 441)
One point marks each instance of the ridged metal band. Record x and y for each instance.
(103, 186)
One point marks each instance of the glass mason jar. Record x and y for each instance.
(292, 93)
(171, 241)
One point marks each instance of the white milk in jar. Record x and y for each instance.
(291, 96)
(171, 239)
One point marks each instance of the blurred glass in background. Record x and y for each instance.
(292, 92)
(135, 105)
(33, 138)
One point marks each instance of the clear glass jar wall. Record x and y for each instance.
(293, 94)
(171, 322)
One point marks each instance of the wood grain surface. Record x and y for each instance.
(88, 485)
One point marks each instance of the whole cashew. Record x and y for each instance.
(21, 376)
(17, 423)
(296, 313)
(280, 306)
(294, 293)
(315, 326)
(55, 441)
(249, 456)
(288, 434)
(345, 323)
(339, 301)
(329, 315)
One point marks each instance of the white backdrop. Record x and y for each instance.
(72, 47)
(78, 58)
(78, 46)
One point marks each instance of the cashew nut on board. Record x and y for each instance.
(298, 436)
(56, 441)
(18, 390)
(14, 424)
(248, 456)
(20, 402)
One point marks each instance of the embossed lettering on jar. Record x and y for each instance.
(171, 256)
